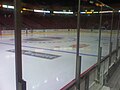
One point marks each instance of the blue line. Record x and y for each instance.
(53, 50)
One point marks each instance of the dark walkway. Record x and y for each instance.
(114, 82)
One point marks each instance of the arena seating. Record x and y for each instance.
(38, 21)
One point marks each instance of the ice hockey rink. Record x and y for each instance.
(49, 57)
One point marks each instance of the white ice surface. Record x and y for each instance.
(45, 74)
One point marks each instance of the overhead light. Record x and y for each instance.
(91, 2)
(62, 12)
(10, 7)
(95, 12)
(41, 11)
(89, 12)
(4, 6)
(97, 4)
(21, 11)
(106, 12)
(26, 9)
(82, 12)
(92, 10)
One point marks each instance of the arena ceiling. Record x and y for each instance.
(73, 3)
(63, 2)
(67, 3)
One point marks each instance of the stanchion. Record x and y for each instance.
(110, 52)
(99, 47)
(78, 72)
(20, 84)
(98, 63)
(117, 45)
(78, 58)
(87, 82)
(110, 45)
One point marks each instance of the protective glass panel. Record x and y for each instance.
(7, 61)
(49, 44)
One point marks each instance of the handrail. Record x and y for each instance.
(84, 74)
(70, 84)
